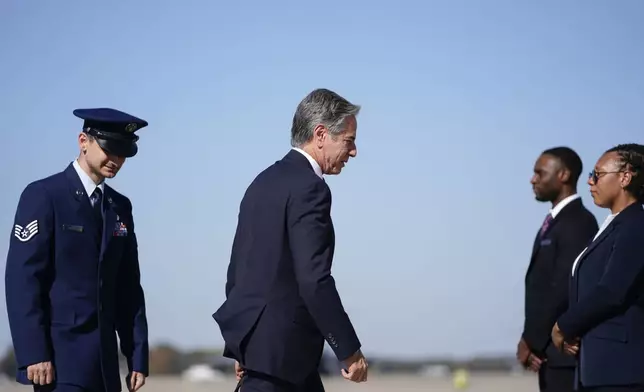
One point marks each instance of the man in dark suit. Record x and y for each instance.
(281, 300)
(72, 277)
(606, 310)
(567, 229)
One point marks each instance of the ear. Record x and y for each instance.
(83, 141)
(319, 135)
(626, 179)
(564, 175)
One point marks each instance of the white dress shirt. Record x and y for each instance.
(316, 167)
(87, 182)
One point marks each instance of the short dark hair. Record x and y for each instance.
(632, 159)
(569, 159)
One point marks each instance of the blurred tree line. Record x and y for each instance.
(165, 359)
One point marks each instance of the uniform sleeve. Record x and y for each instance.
(310, 235)
(132, 325)
(28, 275)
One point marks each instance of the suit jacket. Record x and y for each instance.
(607, 304)
(281, 300)
(69, 289)
(546, 281)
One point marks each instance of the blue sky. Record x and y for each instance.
(434, 219)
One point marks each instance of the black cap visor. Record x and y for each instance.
(114, 143)
(118, 148)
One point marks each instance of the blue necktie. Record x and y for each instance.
(96, 199)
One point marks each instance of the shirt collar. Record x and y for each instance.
(88, 183)
(316, 167)
(560, 206)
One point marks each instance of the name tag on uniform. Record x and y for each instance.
(546, 242)
(120, 230)
(76, 228)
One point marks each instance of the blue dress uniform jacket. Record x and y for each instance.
(69, 291)
(607, 304)
(282, 301)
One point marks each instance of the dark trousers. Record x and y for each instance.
(554, 379)
(64, 388)
(618, 388)
(259, 382)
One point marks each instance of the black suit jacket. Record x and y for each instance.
(546, 281)
(281, 300)
(607, 304)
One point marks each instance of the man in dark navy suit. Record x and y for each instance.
(281, 300)
(72, 276)
(606, 310)
(565, 232)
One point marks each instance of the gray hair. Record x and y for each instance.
(323, 107)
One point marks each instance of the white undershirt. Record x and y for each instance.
(87, 182)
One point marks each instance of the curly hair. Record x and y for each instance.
(632, 159)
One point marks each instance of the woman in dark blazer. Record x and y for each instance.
(604, 323)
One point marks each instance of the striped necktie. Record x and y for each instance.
(545, 225)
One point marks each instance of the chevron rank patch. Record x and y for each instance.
(26, 233)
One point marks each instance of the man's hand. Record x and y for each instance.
(41, 373)
(239, 372)
(557, 337)
(135, 381)
(571, 348)
(356, 366)
(534, 363)
(527, 358)
(523, 352)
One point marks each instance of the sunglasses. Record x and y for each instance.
(595, 175)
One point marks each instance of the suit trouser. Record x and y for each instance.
(259, 382)
(618, 388)
(64, 388)
(556, 379)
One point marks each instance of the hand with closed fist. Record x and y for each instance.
(356, 368)
(571, 348)
(135, 381)
(534, 363)
(41, 373)
(523, 352)
(239, 371)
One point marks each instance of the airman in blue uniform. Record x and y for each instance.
(72, 277)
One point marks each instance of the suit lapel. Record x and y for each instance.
(599, 239)
(574, 282)
(82, 206)
(537, 241)
(566, 210)
(594, 245)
